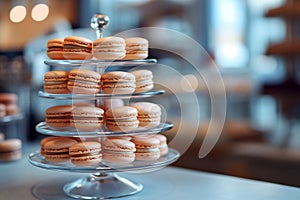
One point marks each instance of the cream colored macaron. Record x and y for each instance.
(109, 48)
(136, 48)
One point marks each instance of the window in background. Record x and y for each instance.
(228, 20)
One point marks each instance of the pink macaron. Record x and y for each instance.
(147, 148)
(84, 81)
(136, 48)
(87, 118)
(121, 119)
(109, 48)
(149, 114)
(118, 150)
(143, 80)
(118, 82)
(10, 149)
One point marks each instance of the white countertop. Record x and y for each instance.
(19, 178)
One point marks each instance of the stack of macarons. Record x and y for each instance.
(85, 81)
(85, 117)
(111, 150)
(78, 80)
(8, 104)
(106, 48)
(81, 117)
(10, 149)
(63, 149)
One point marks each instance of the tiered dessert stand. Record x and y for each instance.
(103, 181)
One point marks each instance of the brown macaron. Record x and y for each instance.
(84, 81)
(77, 48)
(59, 116)
(55, 49)
(56, 82)
(57, 150)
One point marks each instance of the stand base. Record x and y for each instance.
(101, 186)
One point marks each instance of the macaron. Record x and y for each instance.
(12, 109)
(2, 136)
(143, 80)
(8, 98)
(55, 48)
(147, 148)
(163, 146)
(121, 119)
(2, 110)
(58, 116)
(85, 153)
(44, 141)
(149, 114)
(57, 150)
(118, 150)
(10, 149)
(109, 48)
(56, 82)
(87, 118)
(111, 103)
(77, 48)
(84, 81)
(136, 48)
(118, 82)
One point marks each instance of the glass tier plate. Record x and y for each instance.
(99, 63)
(11, 118)
(38, 160)
(43, 128)
(73, 96)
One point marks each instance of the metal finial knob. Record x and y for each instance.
(99, 22)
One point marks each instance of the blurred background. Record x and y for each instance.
(254, 44)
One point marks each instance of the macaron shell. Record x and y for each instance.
(148, 156)
(119, 145)
(122, 126)
(119, 88)
(119, 157)
(121, 112)
(117, 76)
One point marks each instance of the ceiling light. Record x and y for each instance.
(17, 13)
(40, 11)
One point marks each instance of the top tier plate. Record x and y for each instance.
(99, 63)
